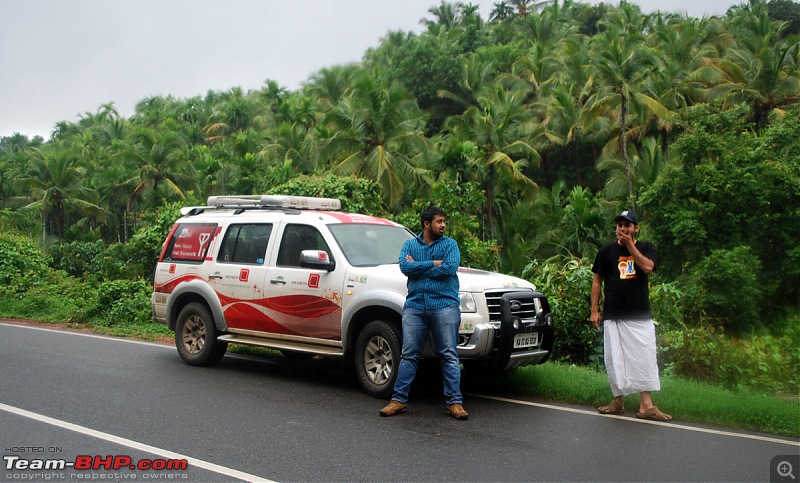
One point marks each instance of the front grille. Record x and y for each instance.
(529, 306)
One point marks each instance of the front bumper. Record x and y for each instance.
(493, 342)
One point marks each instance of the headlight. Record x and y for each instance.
(467, 302)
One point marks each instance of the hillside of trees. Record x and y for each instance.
(532, 128)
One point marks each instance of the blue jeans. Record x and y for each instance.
(443, 325)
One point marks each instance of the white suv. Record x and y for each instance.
(298, 275)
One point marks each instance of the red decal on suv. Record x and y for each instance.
(313, 280)
(244, 274)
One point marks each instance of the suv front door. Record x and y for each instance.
(304, 302)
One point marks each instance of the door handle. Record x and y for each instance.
(216, 277)
(277, 281)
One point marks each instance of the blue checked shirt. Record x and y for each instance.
(431, 287)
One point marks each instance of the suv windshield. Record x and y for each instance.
(368, 245)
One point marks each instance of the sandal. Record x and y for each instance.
(654, 414)
(614, 407)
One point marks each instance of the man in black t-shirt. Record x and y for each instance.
(621, 268)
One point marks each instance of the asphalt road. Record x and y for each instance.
(65, 395)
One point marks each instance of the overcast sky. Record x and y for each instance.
(62, 58)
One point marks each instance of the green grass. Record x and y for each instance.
(686, 401)
(40, 306)
(149, 331)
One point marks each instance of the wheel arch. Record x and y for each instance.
(198, 292)
(367, 314)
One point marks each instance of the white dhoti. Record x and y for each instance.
(630, 356)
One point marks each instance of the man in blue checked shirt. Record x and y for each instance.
(430, 261)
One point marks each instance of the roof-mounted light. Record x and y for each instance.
(238, 200)
(276, 201)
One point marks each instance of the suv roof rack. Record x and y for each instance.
(274, 201)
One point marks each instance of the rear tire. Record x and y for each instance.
(196, 336)
(378, 358)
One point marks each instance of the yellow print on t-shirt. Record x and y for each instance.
(626, 268)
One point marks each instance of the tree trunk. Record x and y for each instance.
(623, 139)
(490, 201)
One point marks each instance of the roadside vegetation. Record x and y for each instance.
(531, 129)
(708, 377)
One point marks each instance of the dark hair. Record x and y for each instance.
(429, 213)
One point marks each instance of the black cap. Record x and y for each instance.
(628, 215)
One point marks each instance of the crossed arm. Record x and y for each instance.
(430, 268)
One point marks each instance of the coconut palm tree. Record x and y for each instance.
(235, 113)
(501, 12)
(623, 64)
(475, 76)
(686, 51)
(157, 158)
(646, 164)
(331, 84)
(273, 94)
(445, 17)
(503, 131)
(375, 132)
(290, 144)
(764, 70)
(55, 181)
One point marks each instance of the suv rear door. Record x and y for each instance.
(237, 274)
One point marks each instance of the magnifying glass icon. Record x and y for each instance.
(785, 469)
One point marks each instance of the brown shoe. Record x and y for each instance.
(394, 407)
(457, 411)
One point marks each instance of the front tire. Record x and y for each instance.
(378, 358)
(196, 336)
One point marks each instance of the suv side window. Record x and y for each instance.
(245, 244)
(189, 242)
(297, 238)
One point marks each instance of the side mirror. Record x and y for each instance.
(317, 259)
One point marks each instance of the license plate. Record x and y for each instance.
(522, 341)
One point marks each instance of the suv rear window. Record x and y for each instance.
(189, 242)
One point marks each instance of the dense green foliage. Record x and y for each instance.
(530, 128)
(726, 214)
(22, 264)
(356, 195)
(568, 285)
(764, 363)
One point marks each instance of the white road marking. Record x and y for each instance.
(134, 444)
(94, 336)
(670, 424)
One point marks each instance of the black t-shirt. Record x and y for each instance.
(625, 283)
